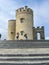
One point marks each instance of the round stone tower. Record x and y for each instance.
(24, 24)
(11, 29)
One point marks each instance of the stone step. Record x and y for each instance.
(22, 55)
(24, 44)
(25, 62)
(22, 59)
(30, 59)
(25, 57)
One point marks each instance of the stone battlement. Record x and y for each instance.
(24, 10)
(42, 27)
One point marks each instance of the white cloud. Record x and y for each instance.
(47, 38)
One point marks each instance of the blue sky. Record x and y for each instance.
(40, 8)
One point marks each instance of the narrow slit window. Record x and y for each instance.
(22, 20)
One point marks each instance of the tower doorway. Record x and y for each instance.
(38, 36)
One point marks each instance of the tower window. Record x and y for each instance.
(21, 32)
(11, 32)
(22, 20)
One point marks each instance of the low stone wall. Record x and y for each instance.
(24, 44)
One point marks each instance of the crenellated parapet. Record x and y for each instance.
(38, 28)
(24, 10)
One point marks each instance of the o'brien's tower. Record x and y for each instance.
(22, 28)
(24, 23)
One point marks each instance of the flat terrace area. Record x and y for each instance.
(24, 44)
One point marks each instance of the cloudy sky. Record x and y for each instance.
(40, 8)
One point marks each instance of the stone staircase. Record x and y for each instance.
(24, 52)
(24, 59)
